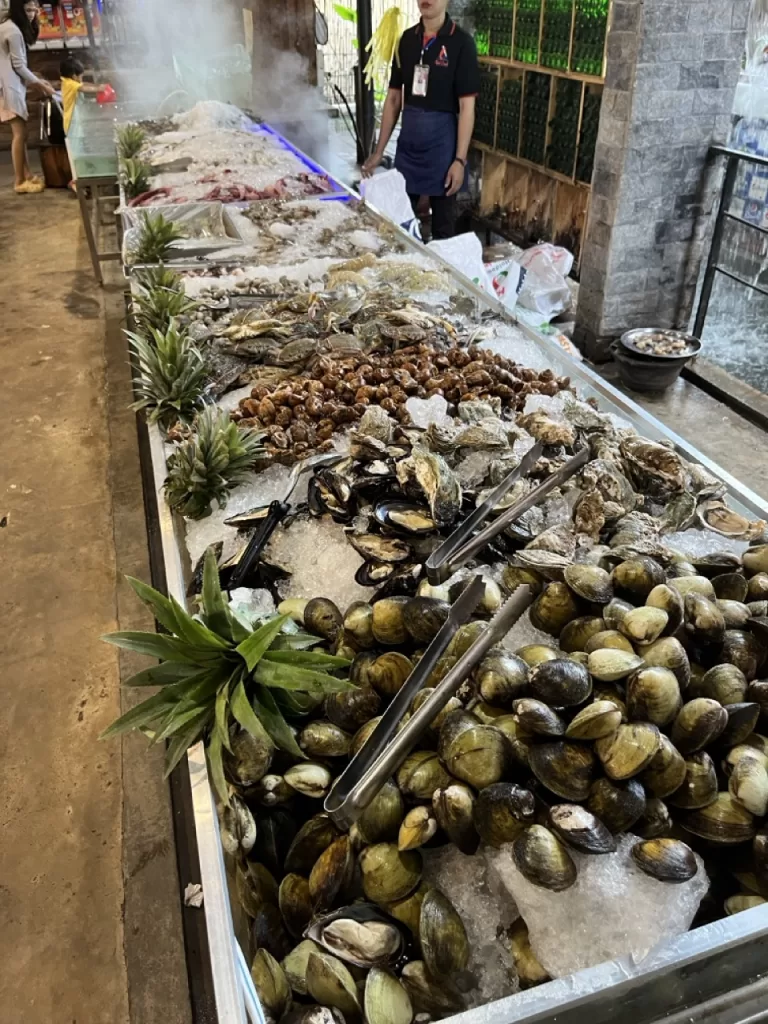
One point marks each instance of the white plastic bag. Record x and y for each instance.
(546, 254)
(465, 253)
(545, 289)
(387, 193)
(507, 279)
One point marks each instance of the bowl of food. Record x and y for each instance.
(660, 343)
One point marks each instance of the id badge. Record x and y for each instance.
(420, 79)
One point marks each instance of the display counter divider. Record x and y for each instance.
(687, 974)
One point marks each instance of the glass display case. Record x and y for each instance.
(715, 968)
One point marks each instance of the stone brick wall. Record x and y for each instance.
(671, 75)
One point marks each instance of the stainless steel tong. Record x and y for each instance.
(463, 544)
(386, 748)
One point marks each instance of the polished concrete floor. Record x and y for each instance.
(89, 895)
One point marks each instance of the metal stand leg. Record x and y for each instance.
(85, 214)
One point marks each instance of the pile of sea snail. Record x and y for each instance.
(642, 716)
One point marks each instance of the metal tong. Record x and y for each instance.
(463, 544)
(386, 748)
(274, 514)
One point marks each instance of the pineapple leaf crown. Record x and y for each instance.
(206, 466)
(172, 375)
(217, 675)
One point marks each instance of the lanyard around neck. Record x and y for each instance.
(425, 47)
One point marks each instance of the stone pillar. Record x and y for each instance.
(671, 75)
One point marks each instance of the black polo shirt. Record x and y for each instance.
(453, 69)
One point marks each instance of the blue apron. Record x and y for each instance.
(426, 149)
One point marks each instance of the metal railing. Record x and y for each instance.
(734, 159)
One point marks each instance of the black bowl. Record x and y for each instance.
(647, 374)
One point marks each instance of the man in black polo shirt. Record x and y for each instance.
(435, 79)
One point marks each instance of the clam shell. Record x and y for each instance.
(742, 720)
(331, 873)
(608, 639)
(589, 582)
(351, 709)
(726, 684)
(581, 829)
(324, 739)
(534, 654)
(478, 755)
(560, 683)
(417, 828)
(389, 875)
(617, 804)
(295, 904)
(554, 608)
(543, 860)
(424, 618)
(438, 999)
(564, 768)
(295, 965)
(381, 819)
(666, 860)
(670, 601)
(453, 808)
(669, 653)
(322, 617)
(644, 625)
(637, 576)
(724, 821)
(442, 936)
(388, 621)
(502, 677)
(609, 665)
(699, 787)
(656, 821)
(748, 785)
(421, 774)
(666, 770)
(538, 718)
(730, 586)
(271, 984)
(740, 902)
(630, 749)
(529, 970)
(360, 934)
(501, 812)
(595, 721)
(653, 695)
(698, 724)
(578, 632)
(386, 1001)
(309, 779)
(330, 983)
(358, 624)
(389, 671)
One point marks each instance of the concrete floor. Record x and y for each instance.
(89, 895)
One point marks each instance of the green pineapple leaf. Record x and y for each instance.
(206, 466)
(271, 717)
(172, 375)
(286, 677)
(257, 644)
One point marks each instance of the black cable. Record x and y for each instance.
(358, 140)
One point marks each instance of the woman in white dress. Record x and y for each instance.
(18, 30)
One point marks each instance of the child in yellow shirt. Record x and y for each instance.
(72, 84)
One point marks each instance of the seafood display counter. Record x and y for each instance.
(597, 784)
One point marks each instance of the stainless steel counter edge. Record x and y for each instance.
(218, 911)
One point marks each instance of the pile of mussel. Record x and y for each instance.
(642, 715)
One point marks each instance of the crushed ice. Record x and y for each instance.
(612, 909)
